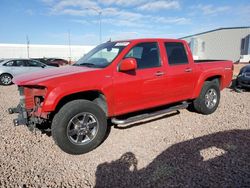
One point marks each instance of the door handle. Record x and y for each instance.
(188, 70)
(159, 73)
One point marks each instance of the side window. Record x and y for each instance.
(146, 55)
(32, 63)
(176, 53)
(9, 64)
(19, 63)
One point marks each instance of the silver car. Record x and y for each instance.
(12, 67)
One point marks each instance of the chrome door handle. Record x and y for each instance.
(188, 70)
(159, 73)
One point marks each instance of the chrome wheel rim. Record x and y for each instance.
(82, 128)
(211, 98)
(6, 80)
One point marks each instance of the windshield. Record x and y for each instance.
(102, 55)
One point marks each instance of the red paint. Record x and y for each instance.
(128, 64)
(127, 92)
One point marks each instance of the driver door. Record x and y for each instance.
(141, 88)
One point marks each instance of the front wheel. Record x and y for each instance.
(79, 127)
(209, 98)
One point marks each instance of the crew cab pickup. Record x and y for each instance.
(121, 82)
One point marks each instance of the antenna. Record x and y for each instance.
(28, 48)
(69, 46)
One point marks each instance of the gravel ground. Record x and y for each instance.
(183, 149)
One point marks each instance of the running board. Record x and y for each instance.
(132, 119)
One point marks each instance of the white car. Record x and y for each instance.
(10, 68)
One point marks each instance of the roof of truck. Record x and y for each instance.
(146, 39)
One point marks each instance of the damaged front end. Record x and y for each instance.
(30, 107)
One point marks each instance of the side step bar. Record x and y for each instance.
(132, 119)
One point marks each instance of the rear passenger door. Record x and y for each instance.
(34, 65)
(180, 73)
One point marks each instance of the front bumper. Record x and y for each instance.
(29, 112)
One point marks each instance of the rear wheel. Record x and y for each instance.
(79, 127)
(6, 79)
(209, 98)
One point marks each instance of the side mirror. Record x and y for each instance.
(127, 64)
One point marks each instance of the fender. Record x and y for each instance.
(54, 96)
(205, 75)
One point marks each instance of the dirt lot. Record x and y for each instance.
(182, 149)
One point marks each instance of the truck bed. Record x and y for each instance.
(207, 60)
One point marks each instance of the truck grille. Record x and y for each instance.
(26, 97)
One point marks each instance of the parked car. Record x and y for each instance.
(10, 68)
(243, 78)
(57, 61)
(46, 61)
(52, 61)
(123, 81)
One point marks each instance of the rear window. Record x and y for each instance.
(176, 53)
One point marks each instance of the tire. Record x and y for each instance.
(79, 127)
(209, 98)
(6, 79)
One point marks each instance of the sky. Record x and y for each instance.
(53, 21)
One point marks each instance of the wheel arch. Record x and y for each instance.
(215, 78)
(93, 95)
(6, 73)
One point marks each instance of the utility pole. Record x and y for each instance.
(69, 46)
(28, 47)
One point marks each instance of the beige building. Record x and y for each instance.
(225, 43)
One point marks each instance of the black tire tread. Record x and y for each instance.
(3, 75)
(58, 123)
(199, 104)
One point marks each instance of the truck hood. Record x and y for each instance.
(47, 74)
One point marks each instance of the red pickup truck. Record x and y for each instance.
(122, 81)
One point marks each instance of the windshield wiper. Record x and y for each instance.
(86, 64)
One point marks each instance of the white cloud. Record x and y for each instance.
(122, 2)
(113, 15)
(75, 3)
(160, 5)
(171, 20)
(48, 1)
(211, 9)
(80, 21)
(30, 12)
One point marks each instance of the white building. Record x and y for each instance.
(73, 52)
(225, 43)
